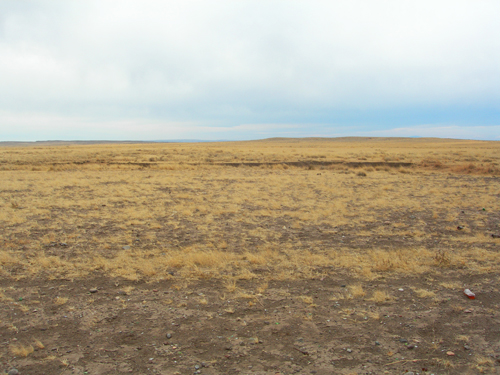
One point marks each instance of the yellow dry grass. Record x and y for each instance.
(302, 210)
(20, 350)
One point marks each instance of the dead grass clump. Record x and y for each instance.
(39, 344)
(20, 350)
(307, 299)
(381, 296)
(407, 261)
(262, 287)
(61, 300)
(230, 285)
(424, 293)
(451, 285)
(357, 291)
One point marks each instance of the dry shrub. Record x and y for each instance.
(446, 259)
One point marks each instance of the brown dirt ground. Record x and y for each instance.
(123, 327)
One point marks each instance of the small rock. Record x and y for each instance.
(13, 371)
(466, 347)
(63, 244)
(228, 347)
(343, 286)
(196, 367)
(93, 290)
(349, 350)
(403, 340)
(169, 335)
(126, 247)
(467, 311)
(460, 227)
(377, 343)
(204, 364)
(494, 235)
(409, 347)
(450, 353)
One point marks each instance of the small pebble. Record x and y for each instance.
(377, 343)
(169, 335)
(93, 290)
(13, 372)
(410, 347)
(127, 247)
(450, 353)
(349, 350)
(403, 340)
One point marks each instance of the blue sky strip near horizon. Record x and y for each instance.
(239, 70)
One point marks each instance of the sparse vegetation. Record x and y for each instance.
(310, 245)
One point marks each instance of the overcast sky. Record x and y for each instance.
(159, 70)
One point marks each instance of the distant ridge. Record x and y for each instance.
(68, 143)
(275, 139)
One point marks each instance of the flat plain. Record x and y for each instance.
(281, 256)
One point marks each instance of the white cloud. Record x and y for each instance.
(234, 62)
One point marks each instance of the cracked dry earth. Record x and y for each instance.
(293, 327)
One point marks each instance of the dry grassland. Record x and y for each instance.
(290, 209)
(345, 256)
